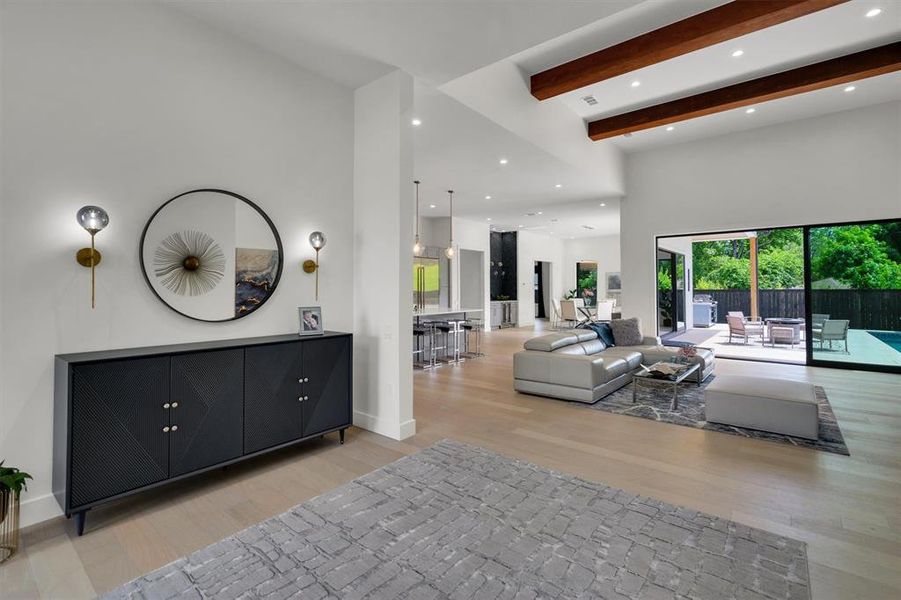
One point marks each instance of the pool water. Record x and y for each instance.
(892, 338)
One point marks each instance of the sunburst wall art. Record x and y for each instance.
(189, 263)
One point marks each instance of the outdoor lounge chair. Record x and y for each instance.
(738, 327)
(834, 330)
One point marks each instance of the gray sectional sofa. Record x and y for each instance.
(576, 365)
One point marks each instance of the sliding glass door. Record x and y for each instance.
(854, 298)
(670, 292)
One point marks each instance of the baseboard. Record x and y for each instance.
(385, 427)
(38, 509)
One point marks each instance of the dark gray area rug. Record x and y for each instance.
(654, 404)
(456, 521)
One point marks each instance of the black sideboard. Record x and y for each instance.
(128, 420)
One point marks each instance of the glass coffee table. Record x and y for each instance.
(646, 379)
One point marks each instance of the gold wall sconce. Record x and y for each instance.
(317, 241)
(94, 219)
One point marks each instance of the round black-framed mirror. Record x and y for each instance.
(211, 255)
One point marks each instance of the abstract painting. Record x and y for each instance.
(255, 272)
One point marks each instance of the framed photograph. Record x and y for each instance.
(614, 284)
(310, 320)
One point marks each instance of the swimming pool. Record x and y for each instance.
(892, 338)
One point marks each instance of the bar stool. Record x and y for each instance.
(420, 335)
(437, 330)
(469, 326)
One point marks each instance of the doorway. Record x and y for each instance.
(670, 293)
(541, 281)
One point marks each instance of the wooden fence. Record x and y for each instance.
(866, 309)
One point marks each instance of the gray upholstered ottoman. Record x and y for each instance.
(775, 405)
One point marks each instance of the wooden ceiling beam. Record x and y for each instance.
(711, 27)
(844, 69)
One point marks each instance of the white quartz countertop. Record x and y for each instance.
(438, 310)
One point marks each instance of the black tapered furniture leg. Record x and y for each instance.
(341, 435)
(80, 517)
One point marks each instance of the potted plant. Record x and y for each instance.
(12, 482)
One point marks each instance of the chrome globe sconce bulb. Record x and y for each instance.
(94, 220)
(317, 241)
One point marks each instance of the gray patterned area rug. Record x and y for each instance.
(456, 521)
(654, 404)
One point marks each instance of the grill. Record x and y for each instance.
(704, 310)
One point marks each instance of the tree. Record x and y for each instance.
(853, 254)
(780, 268)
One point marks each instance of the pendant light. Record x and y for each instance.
(449, 251)
(417, 247)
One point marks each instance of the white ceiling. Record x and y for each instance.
(356, 41)
(480, 55)
(457, 148)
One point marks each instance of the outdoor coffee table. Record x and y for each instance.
(645, 378)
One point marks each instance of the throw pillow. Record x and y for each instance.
(626, 332)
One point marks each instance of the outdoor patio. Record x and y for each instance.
(864, 348)
(716, 337)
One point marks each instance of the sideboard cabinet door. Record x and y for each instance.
(273, 395)
(207, 407)
(117, 421)
(326, 368)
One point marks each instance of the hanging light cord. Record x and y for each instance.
(451, 193)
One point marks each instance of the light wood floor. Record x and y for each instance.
(848, 509)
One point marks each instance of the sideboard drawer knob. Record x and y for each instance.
(306, 397)
(165, 430)
(300, 399)
(175, 405)
(175, 428)
(300, 380)
(166, 405)
(306, 379)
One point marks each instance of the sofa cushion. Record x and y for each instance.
(626, 332)
(614, 367)
(652, 354)
(632, 358)
(553, 341)
(593, 346)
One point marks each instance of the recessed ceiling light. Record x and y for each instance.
(540, 213)
(603, 204)
(850, 88)
(552, 233)
(874, 12)
(737, 53)
(416, 122)
(751, 110)
(487, 197)
(558, 186)
(519, 225)
(503, 161)
(431, 206)
(488, 219)
(670, 128)
(636, 83)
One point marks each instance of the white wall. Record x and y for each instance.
(840, 167)
(383, 265)
(531, 247)
(603, 250)
(472, 235)
(126, 105)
